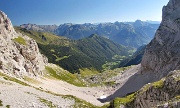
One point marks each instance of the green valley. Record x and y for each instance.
(92, 52)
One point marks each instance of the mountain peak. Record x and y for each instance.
(138, 20)
(93, 35)
(5, 25)
(138, 23)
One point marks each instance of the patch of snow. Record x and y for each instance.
(103, 97)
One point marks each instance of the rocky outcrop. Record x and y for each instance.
(162, 94)
(19, 54)
(6, 27)
(162, 54)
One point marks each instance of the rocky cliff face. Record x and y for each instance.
(19, 54)
(163, 52)
(162, 55)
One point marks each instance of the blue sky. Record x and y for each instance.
(81, 11)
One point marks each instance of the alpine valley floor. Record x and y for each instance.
(43, 91)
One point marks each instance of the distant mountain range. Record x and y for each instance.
(134, 34)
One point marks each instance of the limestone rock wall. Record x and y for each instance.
(17, 58)
(163, 52)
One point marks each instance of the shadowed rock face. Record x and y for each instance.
(17, 57)
(163, 53)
